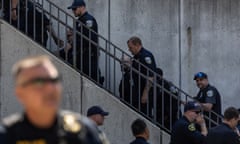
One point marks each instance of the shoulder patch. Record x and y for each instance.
(148, 60)
(191, 127)
(210, 93)
(89, 23)
(71, 124)
(12, 119)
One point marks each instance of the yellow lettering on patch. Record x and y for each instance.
(39, 141)
(191, 127)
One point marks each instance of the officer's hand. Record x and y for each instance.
(200, 120)
(68, 47)
(14, 14)
(144, 98)
(59, 42)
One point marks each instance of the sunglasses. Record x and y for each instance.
(73, 9)
(41, 81)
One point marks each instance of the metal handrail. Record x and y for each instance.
(112, 53)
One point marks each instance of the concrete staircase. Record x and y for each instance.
(79, 92)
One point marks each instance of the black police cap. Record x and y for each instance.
(76, 4)
(200, 75)
(96, 110)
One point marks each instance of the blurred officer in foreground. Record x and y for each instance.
(86, 40)
(209, 98)
(140, 131)
(38, 88)
(184, 130)
(143, 65)
(225, 132)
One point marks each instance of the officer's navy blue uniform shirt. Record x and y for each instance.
(146, 58)
(18, 130)
(90, 23)
(139, 140)
(86, 45)
(210, 95)
(184, 132)
(222, 134)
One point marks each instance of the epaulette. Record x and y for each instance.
(12, 119)
(71, 121)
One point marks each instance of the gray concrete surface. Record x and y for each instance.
(118, 123)
(15, 46)
(78, 94)
(212, 46)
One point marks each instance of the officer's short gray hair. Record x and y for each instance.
(30, 62)
(135, 40)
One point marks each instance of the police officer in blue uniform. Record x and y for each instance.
(184, 130)
(140, 132)
(144, 63)
(168, 109)
(209, 98)
(38, 88)
(32, 20)
(86, 44)
(225, 133)
(126, 81)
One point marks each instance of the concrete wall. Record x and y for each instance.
(78, 94)
(209, 37)
(212, 46)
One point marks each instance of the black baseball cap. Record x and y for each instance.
(76, 4)
(96, 110)
(200, 75)
(194, 106)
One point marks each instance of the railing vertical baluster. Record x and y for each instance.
(34, 20)
(74, 43)
(42, 24)
(154, 98)
(89, 39)
(163, 104)
(114, 71)
(106, 65)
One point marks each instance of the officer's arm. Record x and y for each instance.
(56, 39)
(146, 89)
(207, 106)
(211, 97)
(195, 136)
(14, 10)
(200, 120)
(14, 3)
(150, 63)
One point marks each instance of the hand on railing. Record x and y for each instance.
(59, 42)
(14, 14)
(67, 47)
(144, 97)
